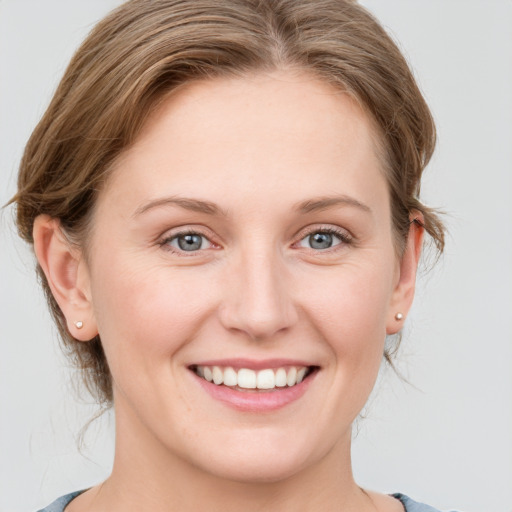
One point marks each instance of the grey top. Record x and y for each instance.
(409, 505)
(61, 503)
(413, 506)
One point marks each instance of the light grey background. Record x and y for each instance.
(447, 439)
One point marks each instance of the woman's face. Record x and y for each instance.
(246, 234)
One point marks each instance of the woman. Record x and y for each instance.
(223, 202)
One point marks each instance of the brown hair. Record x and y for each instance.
(145, 49)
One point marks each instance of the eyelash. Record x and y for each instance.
(344, 237)
(165, 243)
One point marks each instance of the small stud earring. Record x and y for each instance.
(399, 317)
(79, 325)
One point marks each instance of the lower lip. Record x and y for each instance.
(256, 400)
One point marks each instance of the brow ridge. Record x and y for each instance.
(210, 208)
(323, 203)
(195, 205)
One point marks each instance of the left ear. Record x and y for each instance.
(403, 293)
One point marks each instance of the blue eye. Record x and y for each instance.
(188, 242)
(323, 239)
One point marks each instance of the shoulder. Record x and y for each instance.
(61, 503)
(413, 506)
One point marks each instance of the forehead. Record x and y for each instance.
(281, 131)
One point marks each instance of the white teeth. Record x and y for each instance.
(207, 374)
(250, 379)
(218, 375)
(246, 378)
(300, 375)
(291, 378)
(281, 378)
(266, 379)
(230, 377)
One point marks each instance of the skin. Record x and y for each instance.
(257, 148)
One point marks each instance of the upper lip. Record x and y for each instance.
(253, 364)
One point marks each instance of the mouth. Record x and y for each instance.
(251, 380)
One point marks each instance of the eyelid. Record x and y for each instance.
(169, 235)
(164, 240)
(344, 235)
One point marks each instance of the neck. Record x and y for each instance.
(146, 476)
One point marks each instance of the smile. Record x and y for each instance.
(245, 379)
(254, 386)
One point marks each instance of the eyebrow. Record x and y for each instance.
(323, 203)
(195, 205)
(201, 206)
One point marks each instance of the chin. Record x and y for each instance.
(260, 461)
(267, 470)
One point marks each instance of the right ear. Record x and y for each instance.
(67, 275)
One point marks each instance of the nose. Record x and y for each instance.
(258, 298)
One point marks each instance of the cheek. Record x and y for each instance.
(144, 312)
(350, 307)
